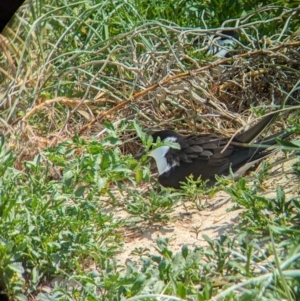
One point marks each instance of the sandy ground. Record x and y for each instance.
(188, 227)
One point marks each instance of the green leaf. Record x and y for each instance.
(21, 297)
(296, 142)
(35, 275)
(172, 144)
(109, 125)
(181, 290)
(184, 251)
(68, 176)
(80, 191)
(289, 144)
(138, 284)
(106, 161)
(111, 141)
(17, 267)
(139, 176)
(139, 131)
(280, 197)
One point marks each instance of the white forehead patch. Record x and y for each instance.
(171, 139)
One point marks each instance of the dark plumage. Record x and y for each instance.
(204, 155)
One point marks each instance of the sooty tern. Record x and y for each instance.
(207, 155)
(221, 46)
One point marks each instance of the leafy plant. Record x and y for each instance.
(151, 207)
(51, 214)
(196, 190)
(261, 211)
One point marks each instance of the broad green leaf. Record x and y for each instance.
(181, 290)
(138, 284)
(68, 176)
(17, 267)
(21, 297)
(141, 134)
(80, 191)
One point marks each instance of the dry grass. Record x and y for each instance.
(163, 85)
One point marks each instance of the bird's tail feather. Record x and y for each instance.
(251, 134)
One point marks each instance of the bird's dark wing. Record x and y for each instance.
(200, 147)
(210, 149)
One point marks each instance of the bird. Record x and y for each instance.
(221, 45)
(206, 155)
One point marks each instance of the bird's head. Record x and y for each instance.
(165, 135)
(163, 142)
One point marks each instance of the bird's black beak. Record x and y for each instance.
(140, 155)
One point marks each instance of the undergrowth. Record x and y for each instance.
(58, 229)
